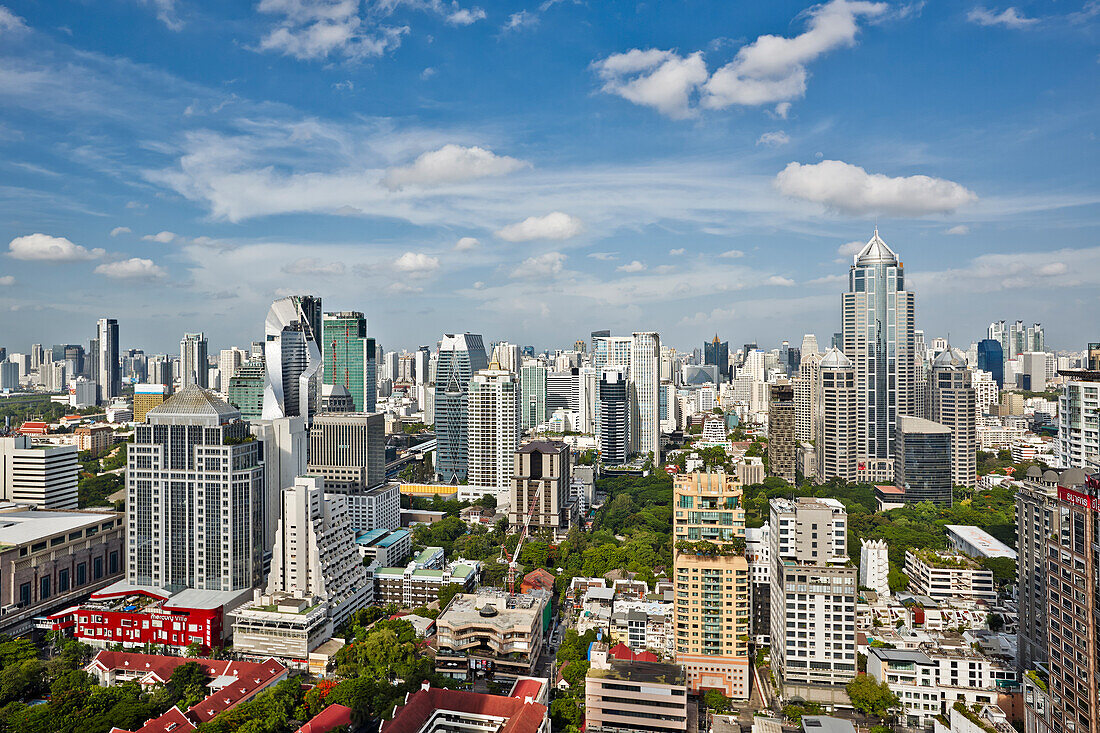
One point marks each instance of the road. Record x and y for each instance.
(546, 666)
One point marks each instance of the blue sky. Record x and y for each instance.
(536, 171)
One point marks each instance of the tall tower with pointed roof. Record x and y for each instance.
(877, 321)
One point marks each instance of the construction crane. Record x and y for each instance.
(513, 560)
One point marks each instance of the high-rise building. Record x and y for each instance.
(195, 497)
(509, 356)
(540, 487)
(991, 359)
(586, 400)
(922, 460)
(493, 431)
(194, 364)
(645, 383)
(561, 391)
(146, 397)
(292, 358)
(246, 388)
(718, 353)
(805, 389)
(712, 604)
(350, 357)
(813, 597)
(9, 375)
(348, 449)
(43, 475)
(229, 361)
(460, 357)
(1016, 338)
(1036, 518)
(1092, 357)
(953, 404)
(611, 351)
(878, 331)
(533, 410)
(836, 417)
(782, 438)
(108, 373)
(613, 416)
(1078, 442)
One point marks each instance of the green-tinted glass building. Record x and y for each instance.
(350, 357)
(246, 388)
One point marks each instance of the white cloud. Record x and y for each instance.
(604, 256)
(773, 139)
(135, 268)
(401, 288)
(467, 243)
(828, 279)
(522, 19)
(1015, 272)
(120, 230)
(716, 315)
(781, 110)
(540, 266)
(161, 237)
(555, 225)
(770, 70)
(779, 280)
(850, 249)
(45, 247)
(852, 190)
(166, 13)
(452, 164)
(136, 205)
(344, 86)
(1009, 18)
(732, 254)
(7, 280)
(9, 21)
(1052, 269)
(466, 16)
(313, 266)
(663, 80)
(428, 73)
(316, 29)
(959, 229)
(416, 262)
(676, 252)
(479, 285)
(635, 266)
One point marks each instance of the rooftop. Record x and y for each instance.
(193, 402)
(984, 542)
(22, 527)
(516, 715)
(542, 446)
(908, 424)
(500, 611)
(875, 252)
(637, 671)
(826, 724)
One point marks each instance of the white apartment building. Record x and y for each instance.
(645, 382)
(1078, 441)
(493, 431)
(42, 475)
(874, 566)
(377, 508)
(942, 575)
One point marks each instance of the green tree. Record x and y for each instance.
(715, 700)
(870, 696)
(447, 592)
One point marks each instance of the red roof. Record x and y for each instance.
(622, 652)
(174, 720)
(331, 717)
(34, 428)
(538, 578)
(524, 689)
(889, 489)
(418, 708)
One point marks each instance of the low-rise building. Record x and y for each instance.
(281, 625)
(976, 542)
(416, 585)
(491, 635)
(384, 547)
(635, 696)
(942, 575)
(94, 438)
(437, 710)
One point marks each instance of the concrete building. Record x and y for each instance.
(493, 431)
(41, 475)
(439, 710)
(975, 542)
(813, 597)
(194, 361)
(375, 508)
(874, 566)
(836, 417)
(805, 392)
(460, 357)
(245, 389)
(713, 607)
(922, 462)
(1036, 519)
(953, 404)
(758, 554)
(415, 585)
(49, 559)
(195, 493)
(1078, 441)
(384, 547)
(782, 433)
(940, 575)
(95, 438)
(349, 450)
(541, 468)
(645, 384)
(498, 635)
(146, 397)
(107, 370)
(286, 626)
(533, 410)
(625, 696)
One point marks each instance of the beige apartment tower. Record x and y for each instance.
(835, 430)
(541, 469)
(952, 402)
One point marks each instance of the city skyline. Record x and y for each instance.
(408, 168)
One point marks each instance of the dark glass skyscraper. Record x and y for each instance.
(991, 359)
(922, 461)
(612, 406)
(718, 353)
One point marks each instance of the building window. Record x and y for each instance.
(43, 588)
(62, 580)
(97, 568)
(113, 563)
(25, 594)
(81, 574)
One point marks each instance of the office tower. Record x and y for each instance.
(1092, 357)
(953, 404)
(836, 417)
(285, 443)
(350, 357)
(1074, 667)
(991, 359)
(561, 391)
(753, 365)
(805, 392)
(193, 360)
(460, 357)
(158, 371)
(923, 460)
(1036, 517)
(348, 450)
(9, 375)
(37, 355)
(596, 335)
(813, 596)
(336, 398)
(613, 415)
(645, 382)
(782, 440)
(292, 357)
(718, 353)
(493, 431)
(387, 362)
(874, 566)
(315, 553)
(509, 356)
(246, 388)
(229, 361)
(146, 397)
(986, 393)
(107, 373)
(195, 497)
(533, 411)
(540, 487)
(1036, 369)
(43, 475)
(586, 400)
(421, 358)
(878, 332)
(611, 351)
(1077, 444)
(712, 582)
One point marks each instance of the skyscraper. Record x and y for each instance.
(922, 460)
(782, 443)
(718, 353)
(645, 382)
(350, 357)
(292, 357)
(836, 417)
(532, 394)
(613, 415)
(953, 404)
(805, 389)
(991, 359)
(493, 431)
(1078, 442)
(195, 492)
(194, 365)
(246, 388)
(878, 332)
(540, 474)
(1036, 518)
(348, 450)
(460, 356)
(1016, 338)
(108, 375)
